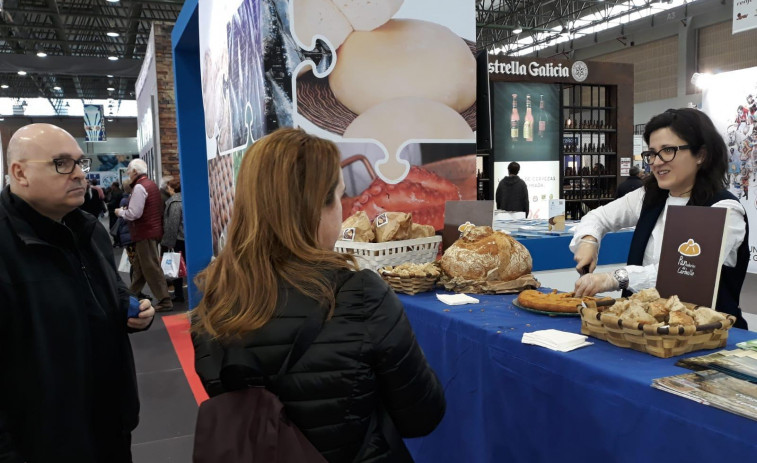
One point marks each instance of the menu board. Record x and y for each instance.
(692, 254)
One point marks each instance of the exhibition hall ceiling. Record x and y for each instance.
(82, 49)
(554, 27)
(93, 49)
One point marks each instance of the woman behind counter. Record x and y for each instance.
(688, 161)
(279, 266)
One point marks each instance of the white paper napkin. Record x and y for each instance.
(456, 299)
(556, 340)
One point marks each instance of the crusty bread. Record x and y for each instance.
(646, 295)
(636, 314)
(705, 316)
(357, 227)
(483, 254)
(658, 311)
(680, 318)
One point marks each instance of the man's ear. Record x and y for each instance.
(18, 174)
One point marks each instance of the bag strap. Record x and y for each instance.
(241, 368)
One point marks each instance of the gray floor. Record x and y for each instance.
(168, 409)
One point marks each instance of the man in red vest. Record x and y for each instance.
(145, 217)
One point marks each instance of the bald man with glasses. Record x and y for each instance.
(69, 390)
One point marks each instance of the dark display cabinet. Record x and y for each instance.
(589, 151)
(592, 124)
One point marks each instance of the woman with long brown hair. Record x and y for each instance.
(364, 382)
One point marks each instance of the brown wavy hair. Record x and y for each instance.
(286, 178)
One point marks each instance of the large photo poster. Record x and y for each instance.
(234, 95)
(393, 83)
(731, 103)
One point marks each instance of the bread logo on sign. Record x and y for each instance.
(690, 248)
(348, 234)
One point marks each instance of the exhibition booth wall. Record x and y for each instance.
(403, 117)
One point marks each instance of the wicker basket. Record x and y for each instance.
(658, 341)
(409, 285)
(376, 255)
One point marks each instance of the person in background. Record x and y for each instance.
(512, 192)
(120, 229)
(92, 201)
(689, 162)
(145, 217)
(633, 182)
(279, 266)
(69, 389)
(114, 200)
(173, 231)
(94, 183)
(164, 193)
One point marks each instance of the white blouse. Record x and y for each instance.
(625, 212)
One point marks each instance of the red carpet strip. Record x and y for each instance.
(178, 330)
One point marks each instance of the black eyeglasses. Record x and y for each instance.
(67, 165)
(666, 154)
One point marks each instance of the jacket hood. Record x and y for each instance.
(511, 179)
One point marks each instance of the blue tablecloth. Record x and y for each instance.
(508, 401)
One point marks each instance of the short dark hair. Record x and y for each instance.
(698, 131)
(115, 184)
(513, 168)
(634, 171)
(175, 184)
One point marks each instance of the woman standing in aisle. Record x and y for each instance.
(364, 383)
(688, 160)
(173, 231)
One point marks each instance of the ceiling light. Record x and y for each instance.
(112, 34)
(41, 54)
(109, 75)
(112, 1)
(113, 58)
(110, 120)
(110, 89)
(56, 88)
(22, 73)
(701, 80)
(517, 30)
(4, 86)
(2, 119)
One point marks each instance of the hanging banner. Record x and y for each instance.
(731, 103)
(94, 123)
(744, 15)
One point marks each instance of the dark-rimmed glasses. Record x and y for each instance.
(67, 165)
(666, 154)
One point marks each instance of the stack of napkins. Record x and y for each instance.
(555, 340)
(456, 299)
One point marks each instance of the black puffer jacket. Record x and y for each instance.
(365, 355)
(68, 390)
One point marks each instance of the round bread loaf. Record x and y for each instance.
(404, 57)
(322, 17)
(484, 254)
